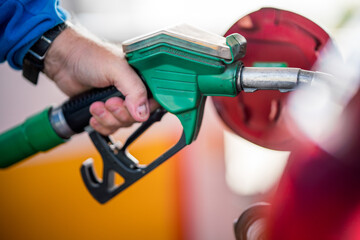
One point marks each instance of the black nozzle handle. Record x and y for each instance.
(76, 109)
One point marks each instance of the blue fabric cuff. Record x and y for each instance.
(22, 22)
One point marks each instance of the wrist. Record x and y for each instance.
(33, 61)
(73, 61)
(58, 53)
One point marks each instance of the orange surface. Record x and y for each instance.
(45, 198)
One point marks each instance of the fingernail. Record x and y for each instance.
(99, 112)
(142, 110)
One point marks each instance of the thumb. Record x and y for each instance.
(134, 90)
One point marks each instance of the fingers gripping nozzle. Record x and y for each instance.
(117, 160)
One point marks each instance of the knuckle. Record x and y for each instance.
(105, 128)
(111, 124)
(106, 131)
(123, 116)
(141, 91)
(126, 118)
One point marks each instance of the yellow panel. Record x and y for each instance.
(45, 198)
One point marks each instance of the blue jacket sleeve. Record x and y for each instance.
(22, 22)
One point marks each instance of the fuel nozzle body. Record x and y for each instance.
(182, 65)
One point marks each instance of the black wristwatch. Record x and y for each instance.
(33, 61)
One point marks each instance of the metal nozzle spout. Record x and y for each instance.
(251, 79)
(311, 77)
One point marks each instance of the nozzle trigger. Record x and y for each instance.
(117, 160)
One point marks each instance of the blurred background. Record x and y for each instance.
(197, 194)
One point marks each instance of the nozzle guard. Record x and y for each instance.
(192, 39)
(118, 160)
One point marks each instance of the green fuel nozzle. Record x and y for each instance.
(181, 66)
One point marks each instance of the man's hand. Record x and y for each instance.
(77, 63)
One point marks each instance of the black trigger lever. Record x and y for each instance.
(116, 159)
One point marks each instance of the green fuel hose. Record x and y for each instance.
(51, 127)
(34, 135)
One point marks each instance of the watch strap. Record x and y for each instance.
(33, 61)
